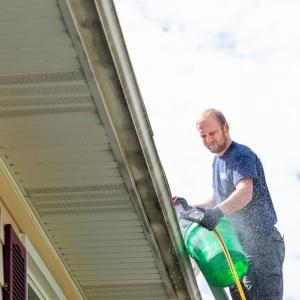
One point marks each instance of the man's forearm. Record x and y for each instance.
(239, 198)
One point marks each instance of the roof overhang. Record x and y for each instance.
(125, 150)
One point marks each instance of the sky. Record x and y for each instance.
(242, 57)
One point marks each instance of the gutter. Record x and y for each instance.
(108, 17)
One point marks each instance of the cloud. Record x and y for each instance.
(225, 41)
(256, 27)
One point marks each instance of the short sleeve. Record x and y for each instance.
(244, 167)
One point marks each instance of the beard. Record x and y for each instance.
(220, 146)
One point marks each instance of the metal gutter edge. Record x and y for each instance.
(95, 56)
(114, 36)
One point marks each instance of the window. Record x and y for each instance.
(25, 273)
(41, 284)
(32, 295)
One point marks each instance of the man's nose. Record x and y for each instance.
(209, 139)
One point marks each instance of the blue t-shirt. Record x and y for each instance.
(240, 162)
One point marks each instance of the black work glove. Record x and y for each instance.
(179, 200)
(211, 217)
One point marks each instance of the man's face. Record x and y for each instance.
(214, 136)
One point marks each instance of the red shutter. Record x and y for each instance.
(15, 275)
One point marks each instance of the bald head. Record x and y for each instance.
(211, 113)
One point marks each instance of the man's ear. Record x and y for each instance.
(226, 127)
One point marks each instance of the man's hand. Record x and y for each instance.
(211, 217)
(179, 200)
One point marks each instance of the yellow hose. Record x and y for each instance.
(231, 265)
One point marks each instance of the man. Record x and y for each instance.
(241, 193)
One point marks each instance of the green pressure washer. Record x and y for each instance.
(218, 253)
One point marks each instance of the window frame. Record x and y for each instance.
(39, 276)
(33, 286)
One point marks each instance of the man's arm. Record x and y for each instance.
(239, 198)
